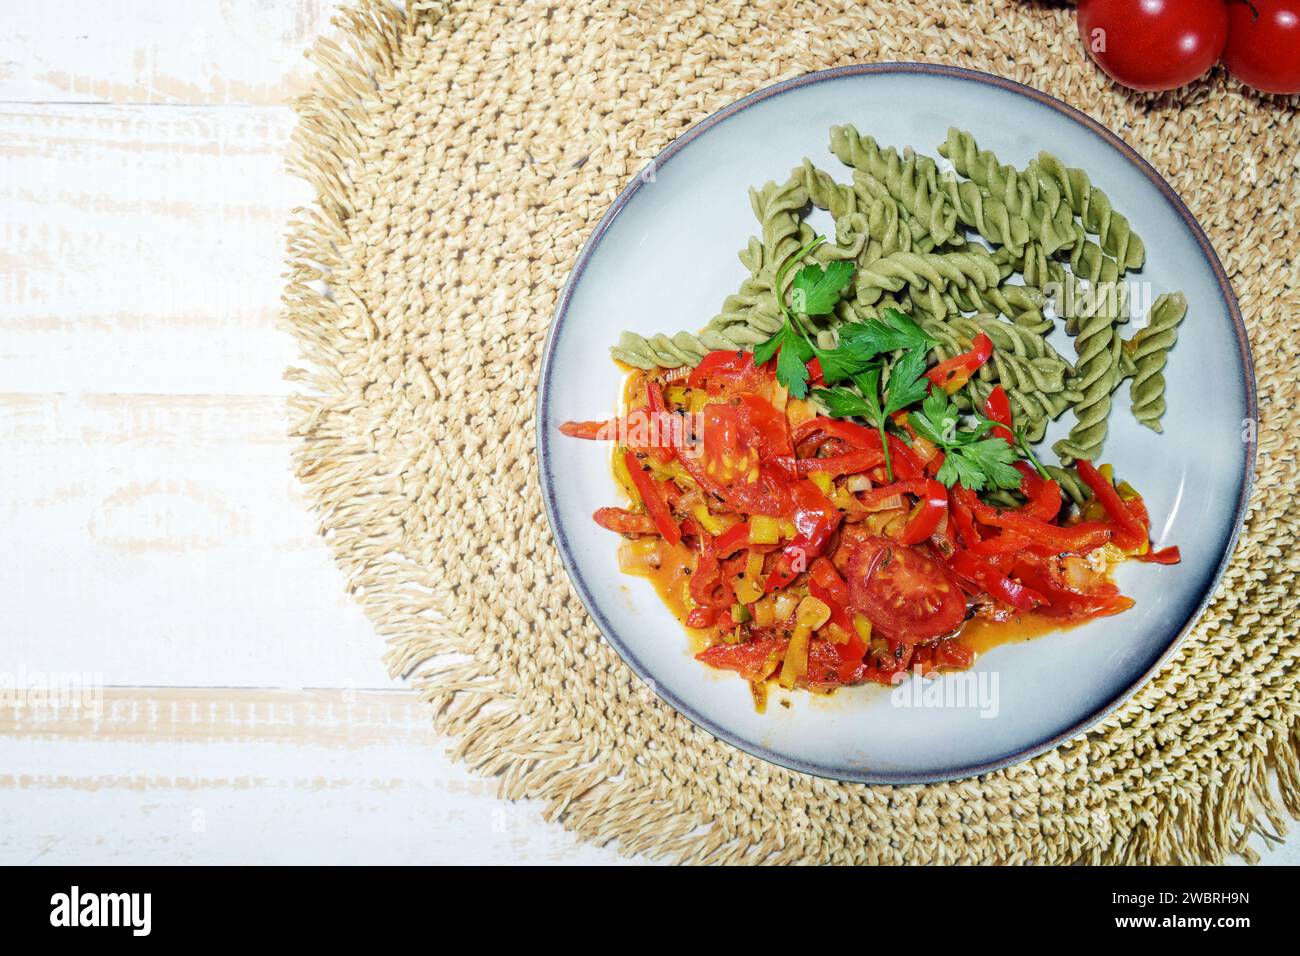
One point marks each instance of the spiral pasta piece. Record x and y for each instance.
(1094, 209)
(1149, 351)
(839, 199)
(1070, 482)
(924, 271)
(986, 214)
(1049, 226)
(911, 180)
(1095, 376)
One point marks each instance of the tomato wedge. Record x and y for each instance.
(904, 594)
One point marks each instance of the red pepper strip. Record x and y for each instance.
(815, 520)
(1169, 555)
(982, 574)
(652, 496)
(720, 362)
(1044, 494)
(1008, 542)
(662, 452)
(997, 407)
(852, 651)
(852, 463)
(1065, 602)
(826, 585)
(824, 573)
(628, 430)
(859, 437)
(709, 588)
(732, 540)
(815, 371)
(702, 616)
(624, 522)
(963, 520)
(956, 371)
(1134, 532)
(1044, 537)
(929, 513)
(752, 660)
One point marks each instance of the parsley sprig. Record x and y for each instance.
(905, 386)
(815, 291)
(970, 455)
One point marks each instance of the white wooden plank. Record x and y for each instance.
(142, 249)
(142, 51)
(164, 540)
(255, 776)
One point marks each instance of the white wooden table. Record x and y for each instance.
(154, 537)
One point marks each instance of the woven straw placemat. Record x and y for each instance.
(462, 154)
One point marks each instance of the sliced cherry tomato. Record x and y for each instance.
(769, 429)
(728, 455)
(753, 660)
(904, 594)
(652, 496)
(997, 408)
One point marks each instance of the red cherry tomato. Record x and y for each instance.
(1264, 44)
(904, 594)
(1154, 44)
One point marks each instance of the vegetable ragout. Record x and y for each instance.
(811, 550)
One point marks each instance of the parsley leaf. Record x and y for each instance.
(764, 351)
(970, 458)
(791, 370)
(906, 385)
(994, 458)
(874, 337)
(816, 290)
(844, 403)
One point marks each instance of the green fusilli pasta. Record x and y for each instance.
(1049, 224)
(1149, 351)
(1094, 210)
(911, 180)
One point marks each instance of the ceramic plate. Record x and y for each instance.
(664, 257)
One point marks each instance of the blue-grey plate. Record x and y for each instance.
(664, 257)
